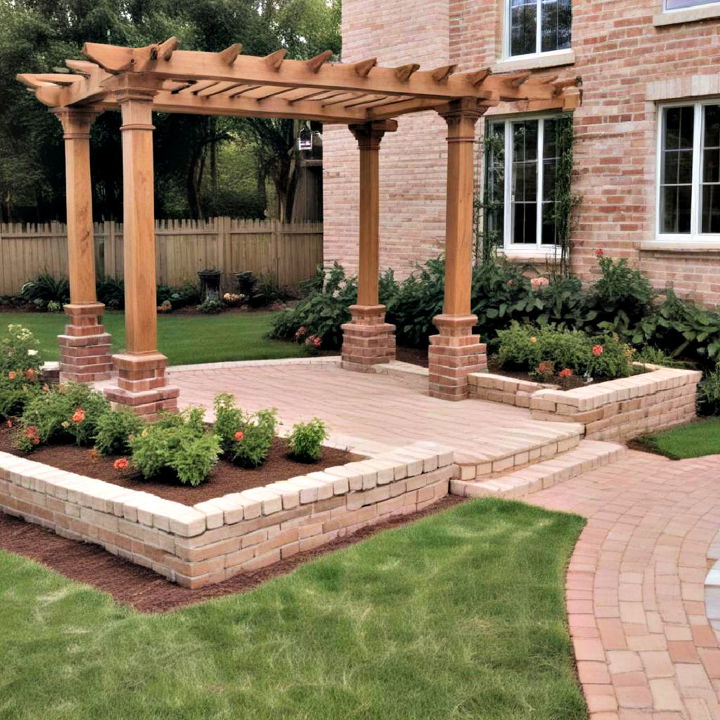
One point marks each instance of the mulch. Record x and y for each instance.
(225, 478)
(143, 589)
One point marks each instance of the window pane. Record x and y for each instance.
(495, 182)
(676, 171)
(711, 209)
(523, 27)
(550, 161)
(679, 4)
(710, 197)
(525, 173)
(556, 21)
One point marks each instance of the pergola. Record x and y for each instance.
(365, 97)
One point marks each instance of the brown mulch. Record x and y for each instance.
(414, 356)
(143, 589)
(226, 478)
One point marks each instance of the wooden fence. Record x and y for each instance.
(288, 252)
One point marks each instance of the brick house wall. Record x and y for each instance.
(629, 61)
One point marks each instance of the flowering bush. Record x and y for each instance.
(234, 299)
(65, 413)
(245, 438)
(19, 352)
(177, 445)
(115, 429)
(306, 440)
(534, 349)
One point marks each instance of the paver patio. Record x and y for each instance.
(635, 587)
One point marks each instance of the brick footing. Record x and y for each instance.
(367, 339)
(454, 353)
(142, 385)
(85, 346)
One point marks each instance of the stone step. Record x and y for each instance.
(712, 592)
(586, 456)
(499, 451)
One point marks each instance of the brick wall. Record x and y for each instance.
(624, 62)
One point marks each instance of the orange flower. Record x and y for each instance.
(239, 435)
(121, 464)
(31, 432)
(566, 373)
(12, 375)
(533, 340)
(78, 416)
(30, 374)
(598, 350)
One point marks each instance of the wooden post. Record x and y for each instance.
(456, 352)
(367, 338)
(141, 369)
(85, 346)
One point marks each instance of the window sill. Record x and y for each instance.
(679, 246)
(533, 62)
(676, 17)
(530, 255)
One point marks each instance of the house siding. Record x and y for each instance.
(626, 63)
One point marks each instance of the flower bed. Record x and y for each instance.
(238, 532)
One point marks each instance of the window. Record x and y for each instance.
(682, 4)
(538, 26)
(689, 172)
(520, 183)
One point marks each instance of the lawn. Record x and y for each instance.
(185, 339)
(687, 441)
(460, 615)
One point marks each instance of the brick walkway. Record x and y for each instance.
(635, 587)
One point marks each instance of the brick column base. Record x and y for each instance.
(85, 346)
(142, 385)
(454, 353)
(367, 339)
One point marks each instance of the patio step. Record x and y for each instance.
(506, 449)
(586, 456)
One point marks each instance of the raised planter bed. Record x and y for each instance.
(655, 399)
(238, 532)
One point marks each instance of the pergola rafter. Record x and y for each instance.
(362, 95)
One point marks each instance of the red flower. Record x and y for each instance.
(566, 373)
(545, 368)
(31, 432)
(599, 252)
(598, 350)
(36, 441)
(239, 435)
(12, 375)
(121, 464)
(9, 423)
(78, 416)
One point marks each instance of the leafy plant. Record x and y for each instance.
(245, 438)
(65, 413)
(111, 292)
(306, 440)
(708, 393)
(19, 352)
(266, 291)
(115, 428)
(211, 306)
(45, 289)
(178, 445)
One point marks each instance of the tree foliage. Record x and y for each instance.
(38, 35)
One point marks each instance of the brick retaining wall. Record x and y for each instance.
(216, 539)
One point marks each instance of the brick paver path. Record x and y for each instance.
(635, 587)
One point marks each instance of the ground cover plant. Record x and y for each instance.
(184, 339)
(460, 614)
(686, 441)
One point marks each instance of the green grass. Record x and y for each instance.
(185, 339)
(687, 441)
(460, 615)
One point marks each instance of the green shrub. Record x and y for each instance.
(19, 353)
(211, 306)
(111, 292)
(306, 440)
(245, 438)
(178, 445)
(114, 430)
(708, 393)
(267, 291)
(65, 413)
(45, 289)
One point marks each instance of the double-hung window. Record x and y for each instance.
(682, 4)
(537, 26)
(521, 159)
(689, 172)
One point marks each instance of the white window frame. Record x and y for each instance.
(510, 248)
(695, 236)
(538, 36)
(689, 7)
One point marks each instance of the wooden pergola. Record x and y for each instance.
(364, 96)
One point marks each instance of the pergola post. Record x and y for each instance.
(141, 383)
(85, 346)
(455, 351)
(367, 339)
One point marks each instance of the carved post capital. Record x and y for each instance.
(461, 117)
(76, 122)
(369, 134)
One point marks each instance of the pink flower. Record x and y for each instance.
(598, 350)
(566, 373)
(545, 368)
(31, 432)
(539, 282)
(121, 464)
(301, 332)
(30, 374)
(12, 375)
(239, 435)
(599, 252)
